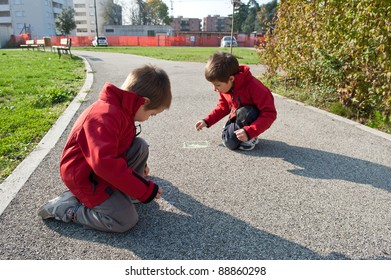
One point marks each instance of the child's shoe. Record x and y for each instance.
(62, 208)
(249, 145)
(255, 140)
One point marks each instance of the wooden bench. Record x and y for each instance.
(30, 44)
(64, 47)
(40, 44)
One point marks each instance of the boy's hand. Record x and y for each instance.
(159, 193)
(200, 125)
(241, 135)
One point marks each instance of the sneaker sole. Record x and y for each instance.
(250, 148)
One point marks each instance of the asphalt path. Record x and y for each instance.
(315, 187)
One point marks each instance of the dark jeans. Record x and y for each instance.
(244, 116)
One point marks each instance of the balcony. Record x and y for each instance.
(4, 7)
(5, 20)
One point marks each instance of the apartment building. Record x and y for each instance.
(186, 24)
(36, 17)
(216, 23)
(89, 16)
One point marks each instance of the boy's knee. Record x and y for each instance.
(124, 222)
(246, 115)
(141, 145)
(138, 148)
(231, 144)
(229, 137)
(128, 224)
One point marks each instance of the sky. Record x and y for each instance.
(202, 8)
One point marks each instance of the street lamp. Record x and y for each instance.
(234, 3)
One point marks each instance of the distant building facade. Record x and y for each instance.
(35, 17)
(86, 20)
(216, 23)
(186, 24)
(137, 30)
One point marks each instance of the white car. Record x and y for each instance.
(226, 42)
(100, 41)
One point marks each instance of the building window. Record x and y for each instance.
(80, 5)
(81, 30)
(109, 30)
(17, 2)
(80, 14)
(19, 13)
(57, 5)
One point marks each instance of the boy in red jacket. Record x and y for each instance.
(249, 103)
(103, 163)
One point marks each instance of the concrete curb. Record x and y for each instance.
(13, 183)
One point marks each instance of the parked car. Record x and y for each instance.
(226, 42)
(100, 41)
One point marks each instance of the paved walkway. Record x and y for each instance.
(316, 187)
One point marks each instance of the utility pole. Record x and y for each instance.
(234, 3)
(96, 24)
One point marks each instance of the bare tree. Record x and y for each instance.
(112, 13)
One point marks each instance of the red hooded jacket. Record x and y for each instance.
(247, 91)
(93, 162)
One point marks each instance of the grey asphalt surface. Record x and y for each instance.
(315, 187)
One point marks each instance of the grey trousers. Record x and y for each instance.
(117, 213)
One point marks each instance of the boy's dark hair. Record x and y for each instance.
(152, 82)
(221, 66)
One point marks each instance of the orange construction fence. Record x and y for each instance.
(158, 41)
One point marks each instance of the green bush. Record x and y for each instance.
(341, 48)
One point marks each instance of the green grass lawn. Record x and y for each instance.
(35, 88)
(189, 54)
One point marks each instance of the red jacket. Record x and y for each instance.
(93, 162)
(247, 90)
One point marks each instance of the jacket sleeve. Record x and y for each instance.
(264, 100)
(99, 141)
(220, 111)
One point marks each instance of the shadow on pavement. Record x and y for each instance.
(179, 227)
(318, 164)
